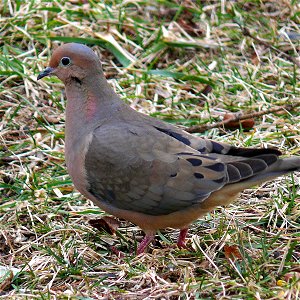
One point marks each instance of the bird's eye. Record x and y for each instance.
(65, 61)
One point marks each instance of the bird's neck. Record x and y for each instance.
(88, 103)
(89, 100)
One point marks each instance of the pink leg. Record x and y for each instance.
(145, 242)
(181, 238)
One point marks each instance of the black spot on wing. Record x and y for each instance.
(217, 148)
(175, 135)
(197, 155)
(218, 167)
(195, 161)
(198, 175)
(185, 153)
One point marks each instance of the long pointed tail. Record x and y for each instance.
(280, 167)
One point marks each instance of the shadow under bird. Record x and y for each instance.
(142, 169)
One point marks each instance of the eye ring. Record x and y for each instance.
(65, 61)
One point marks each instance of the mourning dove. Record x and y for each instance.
(145, 170)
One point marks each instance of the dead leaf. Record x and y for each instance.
(246, 124)
(207, 89)
(108, 224)
(232, 252)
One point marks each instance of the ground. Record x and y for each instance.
(186, 62)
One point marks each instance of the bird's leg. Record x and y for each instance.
(181, 238)
(145, 242)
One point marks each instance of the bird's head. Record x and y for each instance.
(72, 62)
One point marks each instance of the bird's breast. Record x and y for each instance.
(75, 154)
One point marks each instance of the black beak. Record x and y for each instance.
(46, 72)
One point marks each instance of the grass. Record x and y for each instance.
(159, 56)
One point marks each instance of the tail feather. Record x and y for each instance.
(288, 164)
(280, 167)
(243, 169)
(252, 152)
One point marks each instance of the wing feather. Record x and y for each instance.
(158, 171)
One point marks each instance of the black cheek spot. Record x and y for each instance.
(218, 167)
(195, 162)
(77, 80)
(198, 175)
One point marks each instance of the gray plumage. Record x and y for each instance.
(143, 169)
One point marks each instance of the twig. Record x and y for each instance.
(204, 127)
(246, 32)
